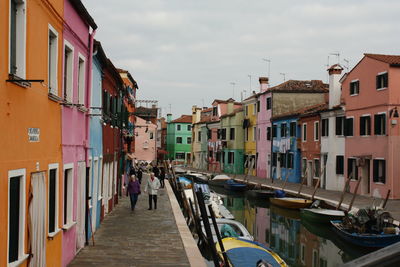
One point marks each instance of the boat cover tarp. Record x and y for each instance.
(245, 257)
(227, 231)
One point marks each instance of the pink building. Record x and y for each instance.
(77, 62)
(371, 125)
(145, 140)
(264, 129)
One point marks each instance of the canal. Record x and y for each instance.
(298, 242)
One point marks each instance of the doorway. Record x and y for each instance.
(365, 172)
(81, 206)
(37, 215)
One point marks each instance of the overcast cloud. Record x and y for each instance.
(188, 52)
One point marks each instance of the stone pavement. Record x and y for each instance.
(330, 196)
(141, 238)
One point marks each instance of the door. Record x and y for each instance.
(365, 174)
(310, 173)
(106, 177)
(96, 180)
(81, 205)
(324, 161)
(267, 175)
(37, 216)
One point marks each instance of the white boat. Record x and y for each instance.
(219, 180)
(236, 226)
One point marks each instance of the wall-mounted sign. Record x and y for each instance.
(34, 134)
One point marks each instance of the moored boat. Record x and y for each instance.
(243, 253)
(260, 194)
(229, 228)
(219, 180)
(321, 215)
(234, 186)
(370, 239)
(291, 202)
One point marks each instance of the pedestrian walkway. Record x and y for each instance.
(330, 196)
(143, 237)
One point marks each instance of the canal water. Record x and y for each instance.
(298, 242)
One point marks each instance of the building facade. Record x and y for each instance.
(145, 141)
(179, 139)
(251, 108)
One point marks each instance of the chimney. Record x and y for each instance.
(169, 117)
(263, 84)
(334, 85)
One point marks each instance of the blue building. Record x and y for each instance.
(96, 139)
(286, 156)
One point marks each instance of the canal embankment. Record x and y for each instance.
(329, 196)
(144, 237)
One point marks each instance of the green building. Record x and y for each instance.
(179, 138)
(232, 136)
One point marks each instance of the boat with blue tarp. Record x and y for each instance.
(235, 186)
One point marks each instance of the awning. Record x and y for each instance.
(162, 151)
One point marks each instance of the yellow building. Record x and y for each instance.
(251, 106)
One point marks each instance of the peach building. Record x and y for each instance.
(145, 140)
(371, 125)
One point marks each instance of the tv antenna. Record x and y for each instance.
(233, 89)
(347, 64)
(284, 76)
(268, 63)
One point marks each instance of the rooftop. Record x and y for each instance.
(183, 119)
(295, 86)
(390, 59)
(303, 112)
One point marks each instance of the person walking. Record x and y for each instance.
(162, 177)
(152, 185)
(139, 174)
(133, 190)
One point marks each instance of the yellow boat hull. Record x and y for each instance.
(291, 203)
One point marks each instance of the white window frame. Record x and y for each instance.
(54, 166)
(70, 218)
(370, 125)
(358, 89)
(81, 80)
(381, 73)
(22, 256)
(52, 82)
(385, 171)
(316, 126)
(20, 48)
(68, 88)
(386, 121)
(100, 185)
(303, 136)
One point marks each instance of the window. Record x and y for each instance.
(274, 130)
(339, 164)
(100, 170)
(339, 125)
(379, 171)
(53, 198)
(199, 136)
(258, 133)
(325, 127)
(178, 127)
(283, 130)
(304, 132)
(232, 133)
(268, 103)
(231, 157)
(218, 156)
(290, 162)
(52, 60)
(81, 83)
(352, 169)
(316, 130)
(246, 134)
(292, 130)
(254, 108)
(268, 133)
(68, 193)
(365, 125)
(151, 135)
(179, 140)
(17, 51)
(16, 214)
(258, 106)
(246, 110)
(380, 124)
(210, 153)
(354, 87)
(208, 134)
(189, 140)
(274, 159)
(218, 134)
(282, 160)
(254, 133)
(382, 80)
(215, 111)
(348, 129)
(68, 70)
(189, 128)
(316, 168)
(179, 155)
(223, 134)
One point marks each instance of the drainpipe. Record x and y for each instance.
(87, 143)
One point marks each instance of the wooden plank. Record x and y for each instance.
(346, 184)
(354, 193)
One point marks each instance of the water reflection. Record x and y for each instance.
(299, 243)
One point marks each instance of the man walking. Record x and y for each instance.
(152, 184)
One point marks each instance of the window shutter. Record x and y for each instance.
(376, 170)
(377, 82)
(362, 125)
(383, 123)
(338, 126)
(368, 122)
(377, 125)
(385, 80)
(337, 165)
(52, 200)
(13, 215)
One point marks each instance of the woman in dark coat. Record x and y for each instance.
(133, 191)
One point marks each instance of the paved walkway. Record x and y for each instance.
(143, 237)
(332, 197)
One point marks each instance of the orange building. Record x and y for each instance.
(30, 139)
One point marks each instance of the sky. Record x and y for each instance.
(190, 52)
